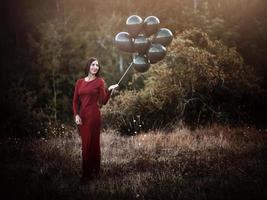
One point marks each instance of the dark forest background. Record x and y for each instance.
(216, 64)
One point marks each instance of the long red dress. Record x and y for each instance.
(87, 98)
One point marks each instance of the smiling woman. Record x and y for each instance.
(89, 95)
(92, 68)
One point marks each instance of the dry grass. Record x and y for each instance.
(212, 163)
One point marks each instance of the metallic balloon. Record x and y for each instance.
(140, 63)
(124, 42)
(156, 52)
(141, 44)
(151, 25)
(134, 25)
(164, 36)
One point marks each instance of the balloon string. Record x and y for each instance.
(125, 73)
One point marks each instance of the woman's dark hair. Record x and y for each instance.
(88, 64)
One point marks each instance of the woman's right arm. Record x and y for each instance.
(75, 104)
(75, 100)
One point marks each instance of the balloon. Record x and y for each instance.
(134, 25)
(151, 25)
(124, 42)
(156, 52)
(141, 44)
(164, 36)
(140, 63)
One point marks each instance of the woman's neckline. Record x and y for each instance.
(89, 80)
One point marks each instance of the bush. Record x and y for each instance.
(19, 115)
(200, 81)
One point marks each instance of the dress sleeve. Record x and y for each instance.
(104, 94)
(75, 101)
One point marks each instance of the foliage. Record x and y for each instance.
(21, 117)
(46, 44)
(200, 81)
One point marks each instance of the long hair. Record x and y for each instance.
(88, 65)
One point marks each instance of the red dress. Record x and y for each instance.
(87, 98)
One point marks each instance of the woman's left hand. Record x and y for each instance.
(112, 87)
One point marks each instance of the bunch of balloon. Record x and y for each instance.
(145, 40)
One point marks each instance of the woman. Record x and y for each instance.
(89, 95)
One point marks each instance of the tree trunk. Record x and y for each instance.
(121, 64)
(55, 95)
(195, 4)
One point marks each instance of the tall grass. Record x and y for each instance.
(209, 163)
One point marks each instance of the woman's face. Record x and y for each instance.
(94, 67)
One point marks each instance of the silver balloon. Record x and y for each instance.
(124, 42)
(141, 44)
(140, 63)
(156, 52)
(134, 25)
(151, 25)
(164, 36)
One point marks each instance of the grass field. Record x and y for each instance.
(209, 163)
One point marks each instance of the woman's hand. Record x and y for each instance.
(112, 87)
(78, 120)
